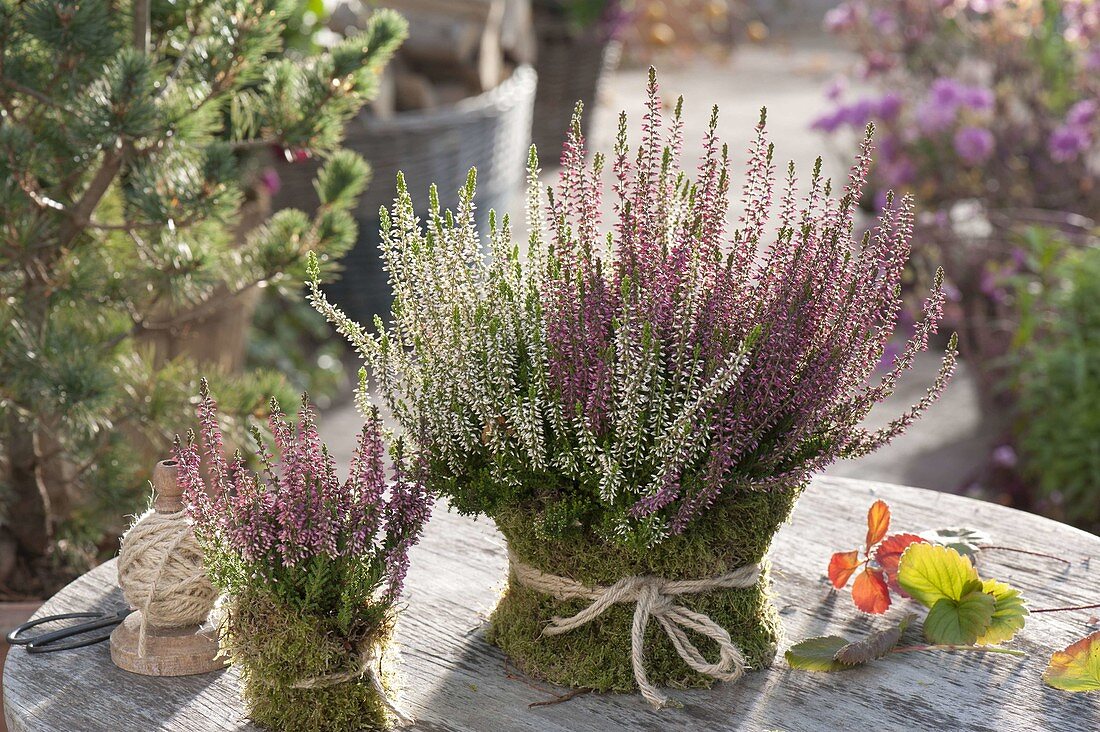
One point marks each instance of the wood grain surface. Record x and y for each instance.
(456, 682)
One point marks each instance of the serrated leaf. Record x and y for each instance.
(878, 522)
(842, 566)
(930, 572)
(817, 654)
(888, 555)
(876, 645)
(870, 593)
(1009, 614)
(963, 621)
(963, 539)
(1077, 667)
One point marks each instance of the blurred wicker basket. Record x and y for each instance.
(490, 132)
(572, 65)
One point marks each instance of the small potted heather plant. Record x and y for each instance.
(312, 568)
(639, 410)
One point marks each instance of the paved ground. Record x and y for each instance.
(952, 440)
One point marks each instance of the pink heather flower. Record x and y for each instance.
(807, 365)
(296, 511)
(974, 145)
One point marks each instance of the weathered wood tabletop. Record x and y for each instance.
(455, 681)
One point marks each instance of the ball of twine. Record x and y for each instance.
(160, 570)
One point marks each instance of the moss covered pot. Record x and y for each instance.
(737, 531)
(288, 663)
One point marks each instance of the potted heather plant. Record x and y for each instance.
(639, 410)
(312, 568)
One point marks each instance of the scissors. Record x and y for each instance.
(47, 642)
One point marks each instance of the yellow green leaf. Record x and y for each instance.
(817, 654)
(1077, 668)
(929, 573)
(960, 622)
(1009, 613)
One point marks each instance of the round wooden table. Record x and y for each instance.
(455, 681)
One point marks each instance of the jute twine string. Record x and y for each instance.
(367, 655)
(653, 598)
(161, 573)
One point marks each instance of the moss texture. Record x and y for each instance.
(736, 531)
(274, 647)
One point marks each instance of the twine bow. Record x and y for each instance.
(653, 598)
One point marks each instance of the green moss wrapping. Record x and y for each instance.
(274, 647)
(736, 531)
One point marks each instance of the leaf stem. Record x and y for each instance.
(1065, 609)
(946, 647)
(1024, 551)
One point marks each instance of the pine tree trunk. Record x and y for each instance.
(29, 508)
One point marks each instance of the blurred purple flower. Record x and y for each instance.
(827, 123)
(1083, 113)
(977, 98)
(1004, 456)
(840, 18)
(889, 106)
(1067, 142)
(270, 180)
(884, 21)
(947, 92)
(836, 88)
(974, 144)
(985, 6)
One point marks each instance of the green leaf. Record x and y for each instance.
(1009, 613)
(963, 539)
(874, 646)
(960, 622)
(929, 573)
(817, 654)
(1077, 667)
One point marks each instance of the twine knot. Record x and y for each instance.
(653, 598)
(367, 654)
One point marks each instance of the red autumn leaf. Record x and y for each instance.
(842, 566)
(878, 522)
(889, 554)
(870, 592)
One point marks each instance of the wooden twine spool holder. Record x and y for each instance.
(182, 651)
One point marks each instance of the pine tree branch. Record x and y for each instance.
(81, 214)
(15, 86)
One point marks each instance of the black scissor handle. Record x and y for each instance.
(44, 643)
(14, 636)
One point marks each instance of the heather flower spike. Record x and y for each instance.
(281, 525)
(629, 378)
